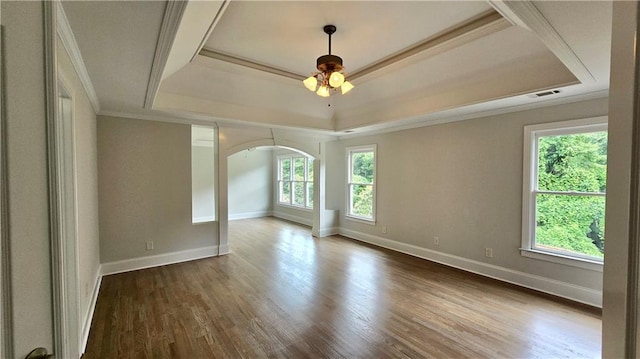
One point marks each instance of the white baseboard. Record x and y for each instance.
(246, 215)
(88, 318)
(224, 249)
(128, 265)
(293, 218)
(558, 288)
(330, 231)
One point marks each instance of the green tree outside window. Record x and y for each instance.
(570, 201)
(361, 181)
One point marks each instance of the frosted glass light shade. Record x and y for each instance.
(323, 91)
(310, 83)
(346, 87)
(336, 79)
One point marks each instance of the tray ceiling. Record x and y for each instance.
(435, 57)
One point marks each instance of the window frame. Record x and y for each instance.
(530, 183)
(360, 149)
(308, 163)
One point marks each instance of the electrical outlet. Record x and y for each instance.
(384, 229)
(150, 245)
(436, 241)
(488, 252)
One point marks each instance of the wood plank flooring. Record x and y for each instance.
(285, 294)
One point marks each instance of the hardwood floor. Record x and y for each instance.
(285, 294)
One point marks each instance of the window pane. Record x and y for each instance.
(298, 193)
(570, 224)
(285, 192)
(575, 162)
(285, 169)
(298, 168)
(362, 200)
(310, 194)
(362, 167)
(310, 173)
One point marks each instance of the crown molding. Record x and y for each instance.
(215, 21)
(472, 29)
(250, 64)
(71, 46)
(195, 119)
(160, 118)
(438, 119)
(507, 13)
(168, 30)
(524, 13)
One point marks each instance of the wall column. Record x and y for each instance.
(620, 288)
(319, 181)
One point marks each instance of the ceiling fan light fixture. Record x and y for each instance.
(336, 79)
(346, 87)
(311, 83)
(323, 91)
(329, 76)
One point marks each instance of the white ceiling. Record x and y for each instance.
(289, 35)
(117, 40)
(493, 67)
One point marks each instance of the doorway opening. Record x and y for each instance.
(270, 182)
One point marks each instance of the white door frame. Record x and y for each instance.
(6, 347)
(65, 131)
(61, 202)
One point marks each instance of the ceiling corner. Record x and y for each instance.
(168, 30)
(524, 13)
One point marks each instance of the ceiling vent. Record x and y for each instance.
(545, 93)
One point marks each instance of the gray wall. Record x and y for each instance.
(459, 181)
(86, 157)
(250, 183)
(145, 189)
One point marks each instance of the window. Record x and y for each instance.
(295, 181)
(361, 168)
(565, 173)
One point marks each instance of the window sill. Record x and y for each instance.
(562, 259)
(202, 220)
(371, 222)
(300, 208)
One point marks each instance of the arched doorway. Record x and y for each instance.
(270, 189)
(320, 217)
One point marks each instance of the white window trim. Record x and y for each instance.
(308, 164)
(530, 177)
(365, 148)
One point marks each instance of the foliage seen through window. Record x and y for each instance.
(570, 201)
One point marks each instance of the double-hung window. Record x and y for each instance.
(361, 184)
(295, 181)
(564, 192)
